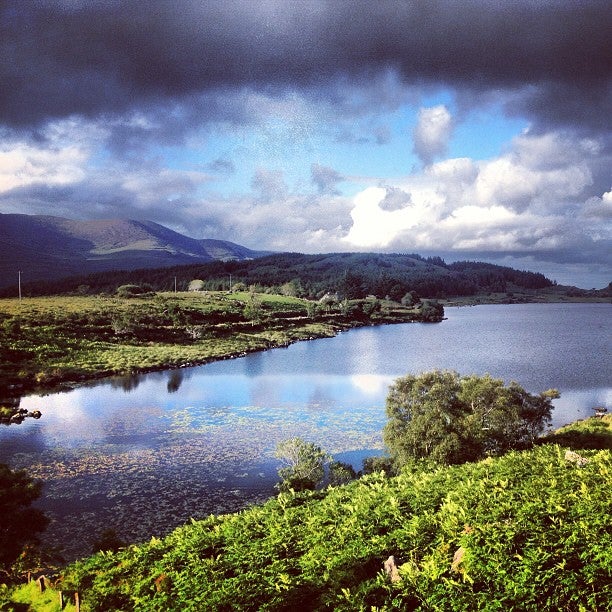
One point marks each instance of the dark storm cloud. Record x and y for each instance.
(221, 166)
(103, 59)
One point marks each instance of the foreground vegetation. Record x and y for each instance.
(45, 342)
(526, 531)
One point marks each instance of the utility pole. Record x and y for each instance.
(19, 277)
(175, 284)
(230, 289)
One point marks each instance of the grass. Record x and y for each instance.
(28, 597)
(593, 433)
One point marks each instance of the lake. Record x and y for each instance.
(145, 453)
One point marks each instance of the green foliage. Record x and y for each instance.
(253, 309)
(108, 540)
(340, 473)
(431, 311)
(304, 465)
(130, 291)
(525, 531)
(196, 285)
(411, 298)
(20, 524)
(372, 465)
(594, 433)
(28, 597)
(449, 419)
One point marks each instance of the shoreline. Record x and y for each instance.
(235, 341)
(313, 330)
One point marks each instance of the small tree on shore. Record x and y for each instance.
(450, 419)
(305, 463)
(253, 309)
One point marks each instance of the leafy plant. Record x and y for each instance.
(304, 465)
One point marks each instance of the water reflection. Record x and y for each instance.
(175, 379)
(127, 383)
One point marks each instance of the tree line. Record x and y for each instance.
(351, 275)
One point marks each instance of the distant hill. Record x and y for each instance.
(352, 275)
(48, 248)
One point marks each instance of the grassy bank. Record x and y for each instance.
(48, 342)
(527, 531)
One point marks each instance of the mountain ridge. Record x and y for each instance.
(46, 247)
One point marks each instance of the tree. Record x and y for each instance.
(304, 465)
(130, 291)
(293, 288)
(196, 285)
(253, 309)
(19, 523)
(370, 307)
(107, 540)
(450, 419)
(432, 311)
(351, 286)
(340, 473)
(411, 299)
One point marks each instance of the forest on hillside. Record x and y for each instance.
(350, 275)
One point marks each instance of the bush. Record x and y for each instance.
(130, 291)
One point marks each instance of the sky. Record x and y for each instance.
(467, 129)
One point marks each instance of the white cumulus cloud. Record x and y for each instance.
(531, 198)
(432, 133)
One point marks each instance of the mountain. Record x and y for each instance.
(48, 248)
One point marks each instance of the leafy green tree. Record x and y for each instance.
(432, 311)
(196, 285)
(370, 307)
(130, 291)
(304, 465)
(449, 419)
(312, 310)
(340, 473)
(253, 309)
(372, 465)
(107, 540)
(20, 524)
(293, 288)
(352, 286)
(411, 299)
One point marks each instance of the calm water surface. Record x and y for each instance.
(146, 453)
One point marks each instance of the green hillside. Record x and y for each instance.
(351, 275)
(527, 531)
